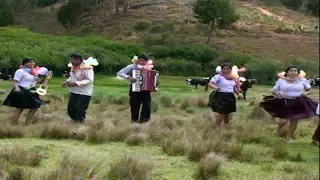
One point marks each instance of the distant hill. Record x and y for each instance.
(268, 31)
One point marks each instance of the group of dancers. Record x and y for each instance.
(289, 102)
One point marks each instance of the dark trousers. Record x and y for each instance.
(316, 135)
(136, 100)
(77, 106)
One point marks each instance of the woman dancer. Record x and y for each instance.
(22, 95)
(290, 103)
(222, 99)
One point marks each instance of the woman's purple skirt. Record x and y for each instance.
(292, 109)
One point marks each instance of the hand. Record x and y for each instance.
(217, 89)
(71, 84)
(17, 89)
(279, 94)
(131, 79)
(64, 84)
(240, 95)
(304, 94)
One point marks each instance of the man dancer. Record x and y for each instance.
(81, 87)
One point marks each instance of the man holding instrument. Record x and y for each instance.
(80, 83)
(137, 98)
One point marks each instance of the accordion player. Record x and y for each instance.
(146, 80)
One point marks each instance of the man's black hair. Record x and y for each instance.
(76, 56)
(142, 56)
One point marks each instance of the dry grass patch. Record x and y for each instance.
(131, 168)
(71, 168)
(8, 131)
(136, 139)
(209, 166)
(56, 130)
(20, 156)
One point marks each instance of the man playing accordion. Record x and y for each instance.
(137, 98)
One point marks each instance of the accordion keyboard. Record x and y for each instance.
(136, 86)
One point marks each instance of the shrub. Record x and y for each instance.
(131, 167)
(141, 25)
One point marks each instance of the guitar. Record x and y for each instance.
(42, 90)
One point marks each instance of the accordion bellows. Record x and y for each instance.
(146, 80)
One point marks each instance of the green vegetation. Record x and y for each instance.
(215, 13)
(170, 59)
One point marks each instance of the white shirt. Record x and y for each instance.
(224, 84)
(291, 89)
(24, 79)
(84, 81)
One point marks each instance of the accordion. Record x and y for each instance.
(146, 80)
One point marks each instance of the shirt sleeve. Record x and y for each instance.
(276, 87)
(89, 77)
(125, 71)
(306, 84)
(18, 75)
(215, 79)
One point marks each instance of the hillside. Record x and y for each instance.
(263, 30)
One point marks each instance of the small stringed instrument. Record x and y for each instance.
(42, 90)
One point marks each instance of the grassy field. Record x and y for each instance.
(176, 145)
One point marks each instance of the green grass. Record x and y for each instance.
(176, 124)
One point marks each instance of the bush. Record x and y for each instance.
(141, 25)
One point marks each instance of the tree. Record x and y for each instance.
(6, 14)
(215, 13)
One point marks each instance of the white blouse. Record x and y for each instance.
(294, 89)
(224, 84)
(24, 79)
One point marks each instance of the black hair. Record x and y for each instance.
(288, 69)
(142, 56)
(226, 65)
(26, 60)
(76, 56)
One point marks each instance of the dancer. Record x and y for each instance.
(290, 103)
(22, 95)
(222, 99)
(316, 135)
(80, 82)
(137, 98)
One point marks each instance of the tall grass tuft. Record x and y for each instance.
(136, 139)
(131, 167)
(96, 136)
(20, 156)
(7, 131)
(173, 147)
(209, 166)
(55, 131)
(70, 168)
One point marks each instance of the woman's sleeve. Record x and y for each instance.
(18, 75)
(306, 84)
(215, 79)
(276, 87)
